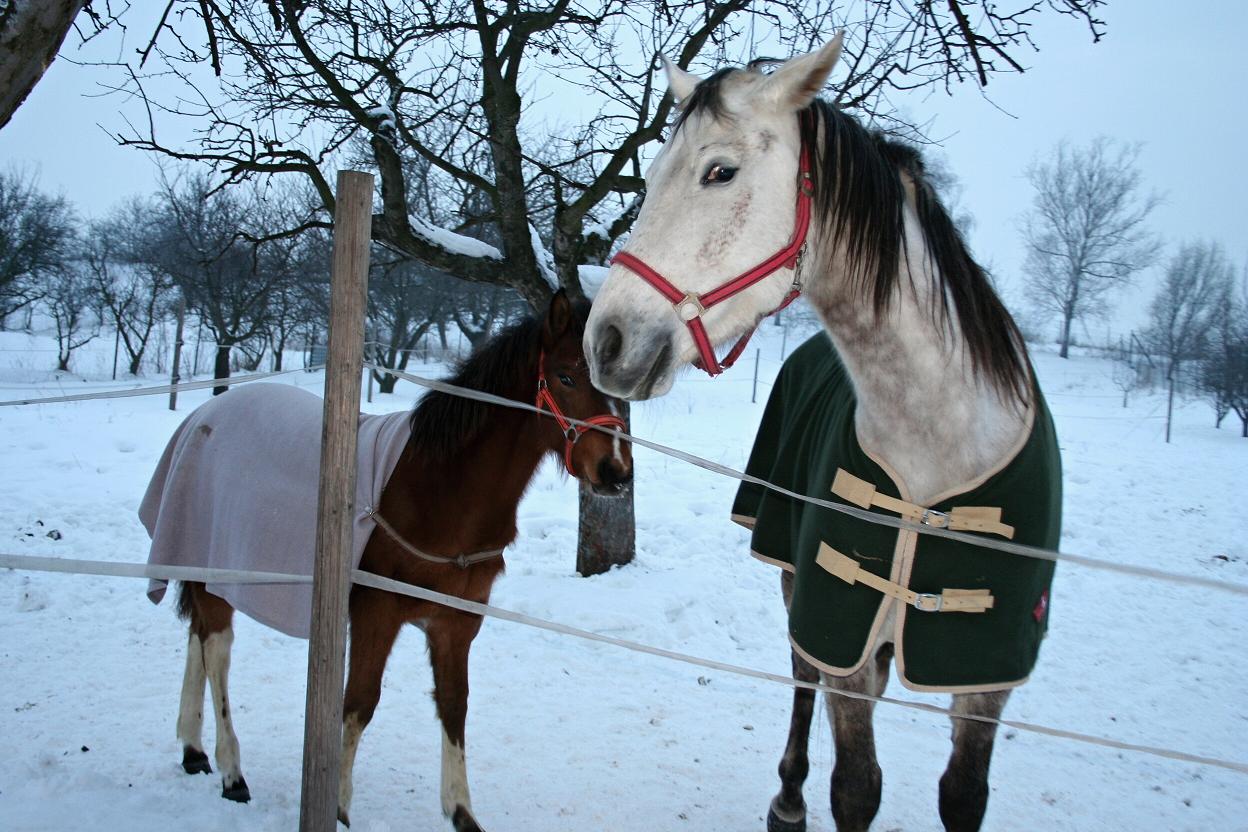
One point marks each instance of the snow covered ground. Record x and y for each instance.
(569, 735)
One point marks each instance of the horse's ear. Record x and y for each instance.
(679, 82)
(798, 80)
(558, 318)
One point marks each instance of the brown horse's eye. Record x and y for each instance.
(718, 174)
(566, 380)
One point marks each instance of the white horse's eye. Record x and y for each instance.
(718, 174)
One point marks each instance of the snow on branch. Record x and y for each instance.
(545, 260)
(452, 242)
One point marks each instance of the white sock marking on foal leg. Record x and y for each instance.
(191, 709)
(454, 777)
(351, 733)
(217, 663)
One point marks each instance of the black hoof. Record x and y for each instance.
(195, 761)
(342, 817)
(463, 821)
(775, 823)
(238, 792)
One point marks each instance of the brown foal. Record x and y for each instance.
(454, 491)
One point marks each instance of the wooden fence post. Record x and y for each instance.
(331, 581)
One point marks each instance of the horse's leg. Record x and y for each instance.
(191, 709)
(375, 623)
(964, 785)
(788, 808)
(215, 619)
(449, 642)
(856, 777)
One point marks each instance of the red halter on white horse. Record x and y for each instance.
(690, 306)
(572, 433)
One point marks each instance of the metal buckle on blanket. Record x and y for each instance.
(937, 519)
(928, 602)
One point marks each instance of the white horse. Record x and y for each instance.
(939, 369)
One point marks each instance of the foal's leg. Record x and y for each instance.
(856, 777)
(788, 809)
(964, 785)
(191, 709)
(212, 620)
(449, 642)
(375, 622)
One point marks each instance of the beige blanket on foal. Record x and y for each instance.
(236, 488)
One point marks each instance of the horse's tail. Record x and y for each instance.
(185, 600)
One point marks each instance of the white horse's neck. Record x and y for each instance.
(920, 409)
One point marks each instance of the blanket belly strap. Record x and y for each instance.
(863, 494)
(463, 561)
(949, 600)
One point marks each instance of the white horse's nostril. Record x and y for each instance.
(609, 346)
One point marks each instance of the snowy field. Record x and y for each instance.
(570, 735)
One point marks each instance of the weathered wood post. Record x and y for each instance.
(331, 581)
(177, 355)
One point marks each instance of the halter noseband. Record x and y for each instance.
(571, 433)
(690, 306)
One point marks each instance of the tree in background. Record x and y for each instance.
(404, 302)
(69, 299)
(1196, 285)
(1085, 233)
(1224, 372)
(123, 263)
(37, 233)
(226, 278)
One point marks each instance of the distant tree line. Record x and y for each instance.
(1086, 235)
(228, 256)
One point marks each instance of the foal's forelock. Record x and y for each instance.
(860, 199)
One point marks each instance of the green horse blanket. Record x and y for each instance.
(967, 618)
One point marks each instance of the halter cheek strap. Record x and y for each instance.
(571, 433)
(690, 307)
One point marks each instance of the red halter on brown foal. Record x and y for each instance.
(690, 306)
(572, 433)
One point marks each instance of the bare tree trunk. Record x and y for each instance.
(607, 530)
(1065, 351)
(31, 33)
(221, 369)
(1170, 403)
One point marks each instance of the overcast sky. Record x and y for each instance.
(1168, 75)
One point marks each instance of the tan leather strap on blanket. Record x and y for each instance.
(863, 494)
(949, 600)
(462, 561)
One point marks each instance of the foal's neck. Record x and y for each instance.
(920, 408)
(468, 501)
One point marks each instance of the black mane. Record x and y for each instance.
(442, 424)
(860, 192)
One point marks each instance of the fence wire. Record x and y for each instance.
(1008, 547)
(362, 578)
(181, 387)
(853, 511)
